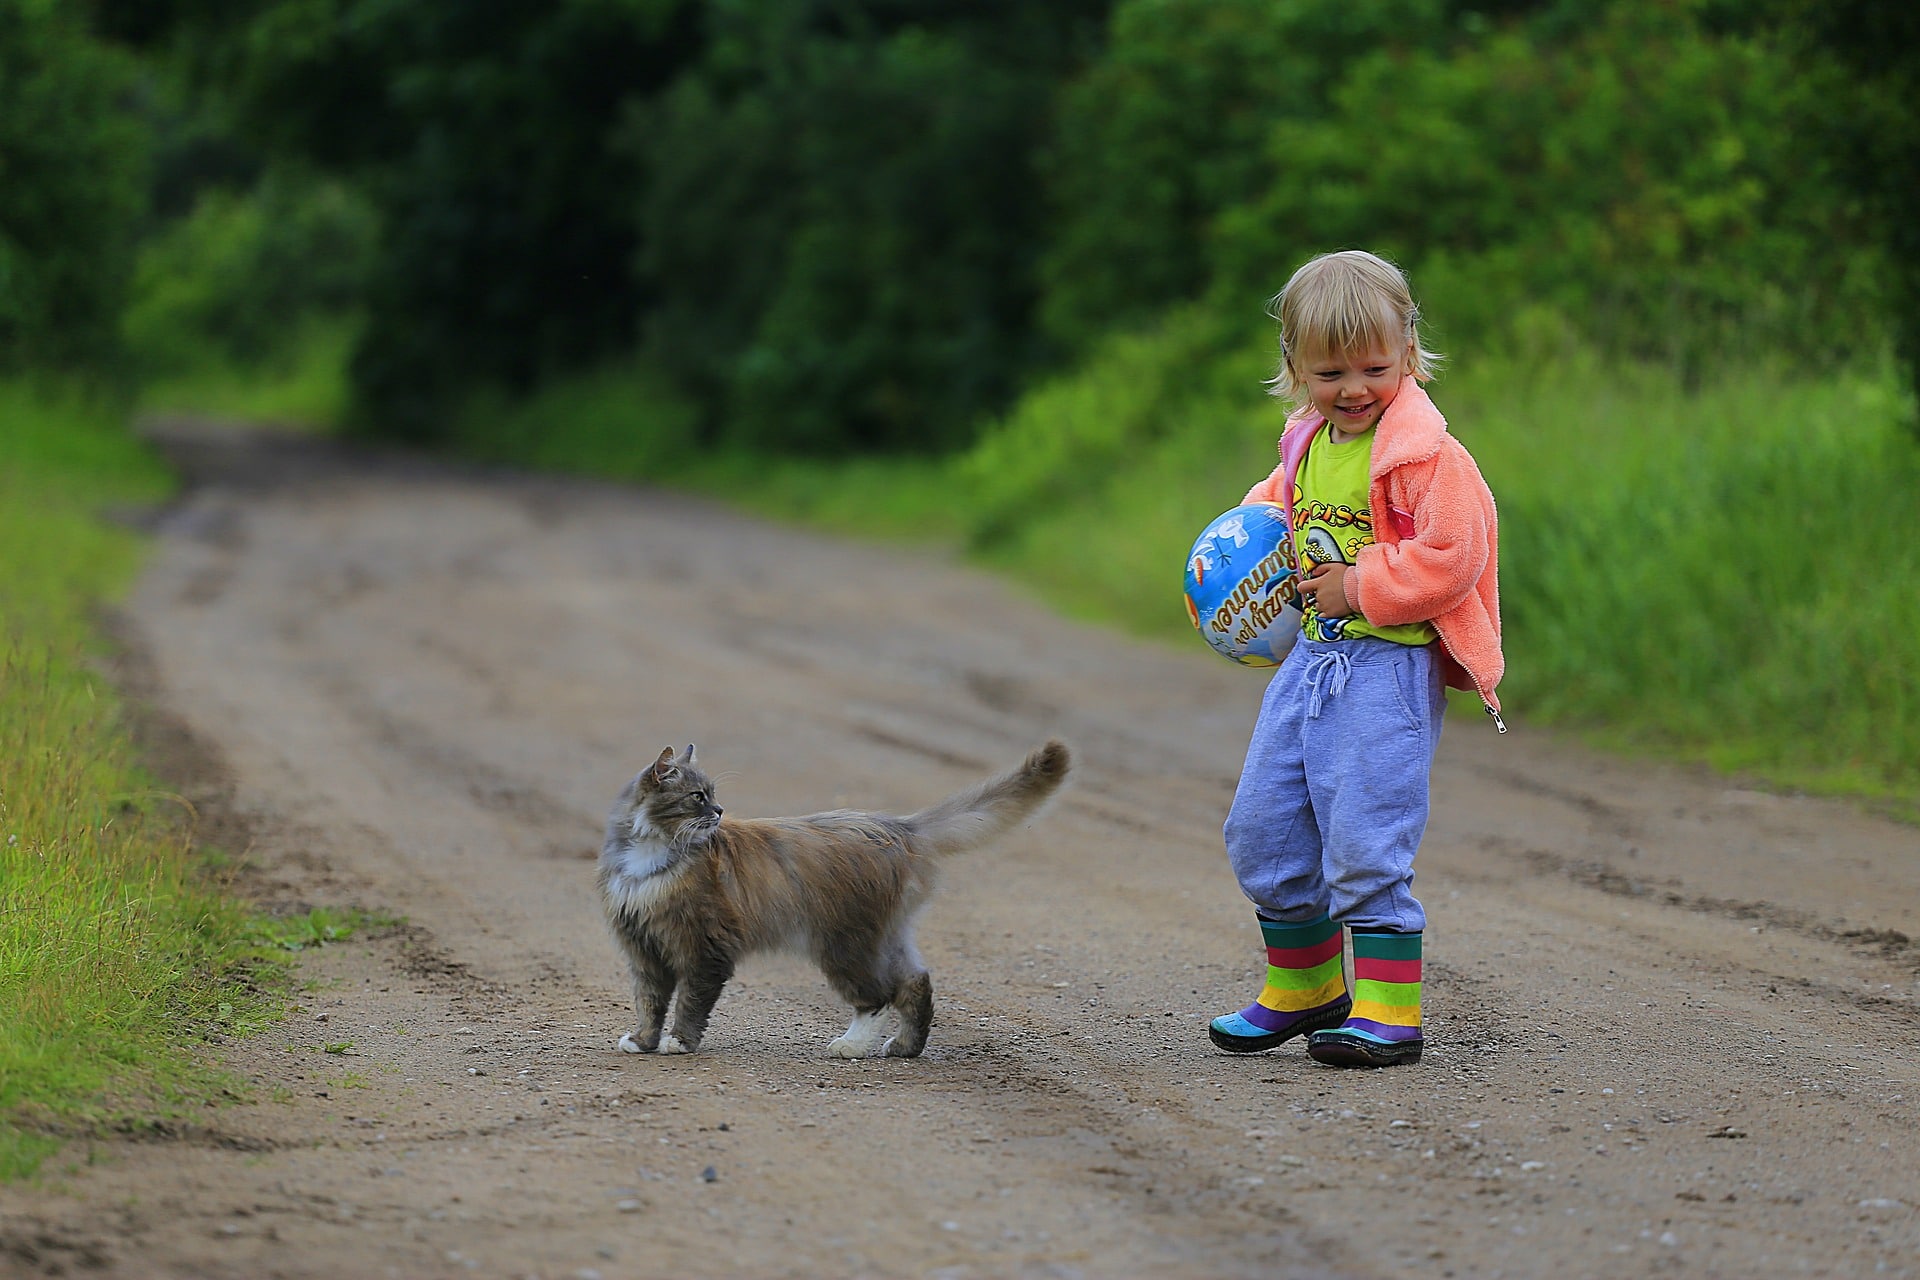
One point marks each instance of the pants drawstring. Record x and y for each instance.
(1326, 677)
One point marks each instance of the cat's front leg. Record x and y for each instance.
(653, 983)
(700, 989)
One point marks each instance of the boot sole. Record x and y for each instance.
(1351, 1051)
(1333, 1016)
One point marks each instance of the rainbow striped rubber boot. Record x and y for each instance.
(1306, 989)
(1384, 1027)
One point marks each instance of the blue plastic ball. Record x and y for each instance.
(1242, 592)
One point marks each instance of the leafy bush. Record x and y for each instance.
(1643, 176)
(1168, 130)
(73, 158)
(841, 217)
(1636, 177)
(239, 281)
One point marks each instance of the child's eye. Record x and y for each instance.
(1376, 370)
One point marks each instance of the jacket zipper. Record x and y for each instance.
(1485, 702)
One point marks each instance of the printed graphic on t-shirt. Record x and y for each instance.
(1331, 523)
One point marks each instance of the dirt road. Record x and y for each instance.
(1672, 1022)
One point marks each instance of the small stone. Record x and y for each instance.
(709, 1174)
(628, 1206)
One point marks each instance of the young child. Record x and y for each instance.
(1393, 535)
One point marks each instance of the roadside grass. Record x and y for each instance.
(626, 423)
(305, 388)
(117, 952)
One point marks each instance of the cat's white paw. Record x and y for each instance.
(670, 1044)
(629, 1045)
(862, 1036)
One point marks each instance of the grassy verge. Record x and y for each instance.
(627, 424)
(306, 387)
(115, 956)
(1722, 572)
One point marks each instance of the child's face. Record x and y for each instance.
(1352, 389)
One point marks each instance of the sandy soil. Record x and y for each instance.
(1671, 1020)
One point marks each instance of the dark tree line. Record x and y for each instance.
(866, 224)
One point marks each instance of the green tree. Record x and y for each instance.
(1870, 129)
(73, 186)
(482, 132)
(1170, 129)
(842, 214)
(1637, 177)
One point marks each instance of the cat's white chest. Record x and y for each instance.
(643, 874)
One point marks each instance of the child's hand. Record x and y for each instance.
(1326, 585)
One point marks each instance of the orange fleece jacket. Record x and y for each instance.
(1435, 555)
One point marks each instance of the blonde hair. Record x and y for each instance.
(1345, 302)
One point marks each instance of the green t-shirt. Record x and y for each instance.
(1331, 523)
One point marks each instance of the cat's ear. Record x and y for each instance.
(663, 768)
(686, 757)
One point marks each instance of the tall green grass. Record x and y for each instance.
(303, 385)
(627, 422)
(113, 956)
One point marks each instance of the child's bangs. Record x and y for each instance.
(1344, 318)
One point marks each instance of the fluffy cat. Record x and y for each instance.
(688, 895)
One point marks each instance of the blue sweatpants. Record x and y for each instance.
(1332, 800)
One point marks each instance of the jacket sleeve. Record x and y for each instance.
(1421, 577)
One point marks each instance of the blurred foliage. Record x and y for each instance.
(842, 215)
(233, 283)
(1170, 129)
(867, 225)
(1633, 172)
(73, 187)
(481, 132)
(1866, 56)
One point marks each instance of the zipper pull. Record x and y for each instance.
(1498, 723)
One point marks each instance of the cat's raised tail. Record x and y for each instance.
(970, 818)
